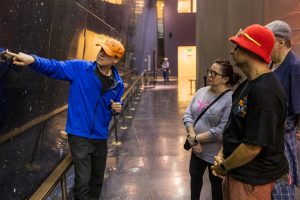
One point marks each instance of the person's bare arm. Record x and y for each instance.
(203, 137)
(242, 155)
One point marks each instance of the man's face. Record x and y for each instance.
(275, 54)
(239, 56)
(104, 60)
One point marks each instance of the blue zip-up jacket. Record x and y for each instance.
(89, 112)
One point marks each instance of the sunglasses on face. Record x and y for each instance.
(241, 32)
(237, 47)
(213, 73)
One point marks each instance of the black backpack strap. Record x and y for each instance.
(216, 99)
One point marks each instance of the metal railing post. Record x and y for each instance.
(116, 142)
(129, 116)
(63, 183)
(123, 127)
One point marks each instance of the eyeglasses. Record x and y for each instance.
(241, 32)
(237, 47)
(213, 73)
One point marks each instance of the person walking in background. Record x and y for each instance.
(286, 67)
(95, 93)
(252, 158)
(166, 69)
(205, 134)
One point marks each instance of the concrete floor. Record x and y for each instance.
(151, 163)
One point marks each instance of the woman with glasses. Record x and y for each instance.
(205, 136)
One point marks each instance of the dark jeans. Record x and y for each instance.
(166, 75)
(197, 169)
(89, 159)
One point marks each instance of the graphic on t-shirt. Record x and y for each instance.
(242, 108)
(201, 105)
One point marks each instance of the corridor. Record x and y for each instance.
(151, 162)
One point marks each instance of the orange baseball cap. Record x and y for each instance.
(113, 47)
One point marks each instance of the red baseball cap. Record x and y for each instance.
(256, 39)
(113, 47)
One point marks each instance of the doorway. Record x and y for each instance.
(186, 72)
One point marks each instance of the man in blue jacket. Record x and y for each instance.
(95, 93)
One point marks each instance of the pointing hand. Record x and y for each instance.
(21, 59)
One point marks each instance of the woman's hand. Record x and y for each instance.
(197, 148)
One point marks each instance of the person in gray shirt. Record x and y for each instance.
(205, 136)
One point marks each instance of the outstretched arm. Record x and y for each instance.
(62, 70)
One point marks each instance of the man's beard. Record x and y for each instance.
(241, 65)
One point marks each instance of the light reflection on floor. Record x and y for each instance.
(151, 163)
(185, 92)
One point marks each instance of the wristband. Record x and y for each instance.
(195, 140)
(223, 166)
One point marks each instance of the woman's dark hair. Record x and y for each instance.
(227, 71)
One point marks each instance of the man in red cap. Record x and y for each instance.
(95, 93)
(252, 157)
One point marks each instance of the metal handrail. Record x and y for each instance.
(30, 124)
(131, 87)
(59, 173)
(20, 130)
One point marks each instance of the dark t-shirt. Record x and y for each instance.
(106, 81)
(257, 118)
